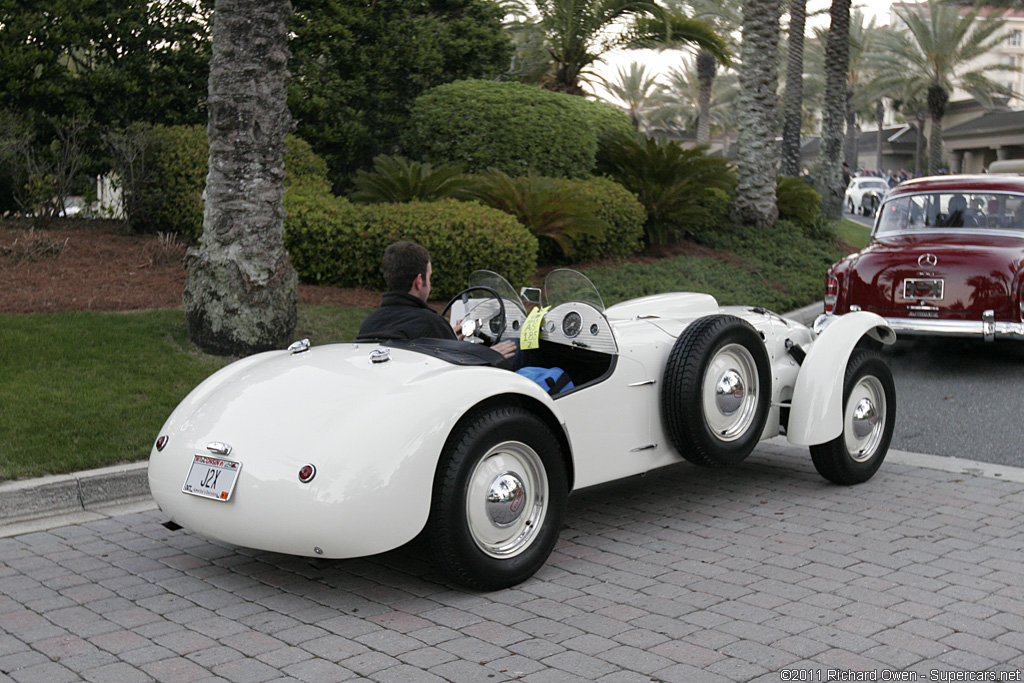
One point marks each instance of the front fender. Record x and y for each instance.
(816, 413)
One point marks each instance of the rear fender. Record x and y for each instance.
(816, 414)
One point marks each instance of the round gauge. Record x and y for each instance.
(572, 323)
(594, 329)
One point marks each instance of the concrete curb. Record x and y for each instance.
(62, 494)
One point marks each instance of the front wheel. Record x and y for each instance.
(869, 416)
(499, 499)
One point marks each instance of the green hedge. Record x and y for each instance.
(173, 190)
(333, 241)
(622, 214)
(513, 127)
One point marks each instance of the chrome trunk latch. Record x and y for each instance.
(380, 356)
(219, 447)
(299, 346)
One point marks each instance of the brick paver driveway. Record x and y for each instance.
(763, 572)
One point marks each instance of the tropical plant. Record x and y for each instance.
(577, 34)
(396, 179)
(935, 54)
(757, 157)
(241, 292)
(550, 209)
(681, 110)
(726, 18)
(637, 90)
(683, 190)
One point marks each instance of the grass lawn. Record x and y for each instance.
(853, 232)
(86, 390)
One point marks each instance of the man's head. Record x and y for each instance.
(407, 268)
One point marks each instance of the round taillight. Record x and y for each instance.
(306, 473)
(161, 443)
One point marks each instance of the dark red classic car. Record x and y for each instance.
(945, 258)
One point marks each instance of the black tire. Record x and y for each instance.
(709, 425)
(493, 544)
(854, 456)
(849, 206)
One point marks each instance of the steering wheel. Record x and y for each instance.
(485, 322)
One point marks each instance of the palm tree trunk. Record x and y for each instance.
(851, 148)
(837, 58)
(937, 99)
(794, 96)
(919, 148)
(757, 158)
(241, 292)
(706, 67)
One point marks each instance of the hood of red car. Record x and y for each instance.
(938, 274)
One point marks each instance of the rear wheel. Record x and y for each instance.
(869, 415)
(499, 499)
(716, 391)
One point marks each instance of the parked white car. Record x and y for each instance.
(864, 195)
(354, 448)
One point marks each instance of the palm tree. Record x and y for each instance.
(241, 292)
(829, 179)
(680, 109)
(638, 90)
(757, 160)
(577, 34)
(935, 55)
(793, 99)
(726, 18)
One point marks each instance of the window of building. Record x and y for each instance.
(1014, 39)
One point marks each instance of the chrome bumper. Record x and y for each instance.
(987, 328)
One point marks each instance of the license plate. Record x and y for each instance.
(923, 289)
(212, 478)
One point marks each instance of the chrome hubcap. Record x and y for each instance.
(729, 392)
(506, 499)
(864, 421)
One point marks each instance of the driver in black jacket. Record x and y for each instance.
(404, 313)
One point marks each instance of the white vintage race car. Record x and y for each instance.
(349, 449)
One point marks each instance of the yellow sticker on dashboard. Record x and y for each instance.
(529, 338)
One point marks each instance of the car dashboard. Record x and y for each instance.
(579, 325)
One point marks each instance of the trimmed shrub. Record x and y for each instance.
(461, 237)
(324, 236)
(607, 120)
(513, 127)
(797, 201)
(622, 214)
(332, 241)
(172, 191)
(303, 166)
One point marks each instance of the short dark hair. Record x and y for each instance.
(402, 262)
